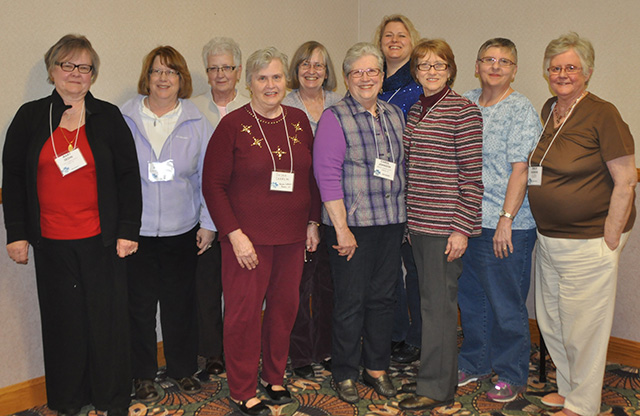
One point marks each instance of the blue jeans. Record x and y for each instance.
(492, 295)
(407, 323)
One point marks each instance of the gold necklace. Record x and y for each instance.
(70, 147)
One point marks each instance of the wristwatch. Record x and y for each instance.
(504, 213)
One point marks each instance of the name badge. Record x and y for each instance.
(161, 171)
(70, 162)
(384, 169)
(534, 176)
(282, 181)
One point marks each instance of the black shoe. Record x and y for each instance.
(409, 387)
(145, 390)
(120, 411)
(382, 385)
(395, 345)
(347, 391)
(422, 403)
(326, 364)
(306, 371)
(259, 409)
(277, 396)
(214, 365)
(189, 385)
(71, 411)
(406, 354)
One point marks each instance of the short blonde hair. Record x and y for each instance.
(582, 47)
(377, 37)
(67, 46)
(302, 54)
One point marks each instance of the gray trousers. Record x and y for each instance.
(438, 283)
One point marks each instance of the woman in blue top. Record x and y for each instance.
(171, 137)
(396, 36)
(494, 284)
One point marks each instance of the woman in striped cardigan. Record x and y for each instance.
(443, 153)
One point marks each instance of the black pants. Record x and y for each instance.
(164, 270)
(364, 299)
(82, 292)
(209, 301)
(311, 334)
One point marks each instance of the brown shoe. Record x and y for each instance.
(189, 385)
(382, 385)
(145, 390)
(214, 365)
(422, 403)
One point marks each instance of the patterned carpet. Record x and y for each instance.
(315, 397)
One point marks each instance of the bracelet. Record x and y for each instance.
(313, 223)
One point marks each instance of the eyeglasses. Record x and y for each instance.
(316, 65)
(490, 60)
(170, 73)
(438, 66)
(359, 73)
(69, 67)
(224, 68)
(569, 69)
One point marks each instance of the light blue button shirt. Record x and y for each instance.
(511, 129)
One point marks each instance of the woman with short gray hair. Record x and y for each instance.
(359, 165)
(223, 62)
(259, 185)
(582, 179)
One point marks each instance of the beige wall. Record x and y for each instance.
(123, 31)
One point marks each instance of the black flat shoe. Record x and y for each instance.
(189, 385)
(382, 385)
(410, 387)
(326, 364)
(120, 411)
(214, 365)
(277, 396)
(259, 409)
(422, 403)
(71, 411)
(306, 371)
(347, 391)
(406, 354)
(145, 390)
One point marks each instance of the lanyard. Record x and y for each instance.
(557, 131)
(286, 132)
(386, 131)
(75, 142)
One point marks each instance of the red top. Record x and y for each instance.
(69, 204)
(237, 175)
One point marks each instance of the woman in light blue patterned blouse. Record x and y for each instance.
(494, 284)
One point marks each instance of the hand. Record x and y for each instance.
(313, 238)
(456, 246)
(126, 248)
(502, 245)
(204, 238)
(19, 251)
(243, 249)
(612, 241)
(347, 243)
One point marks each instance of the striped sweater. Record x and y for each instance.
(443, 152)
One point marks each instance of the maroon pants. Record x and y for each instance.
(276, 279)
